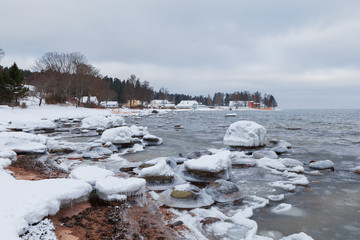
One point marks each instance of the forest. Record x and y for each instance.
(67, 77)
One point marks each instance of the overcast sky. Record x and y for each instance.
(305, 53)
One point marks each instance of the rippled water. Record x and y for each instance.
(328, 209)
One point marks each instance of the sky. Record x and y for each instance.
(305, 53)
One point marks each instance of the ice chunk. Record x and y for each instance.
(159, 169)
(23, 142)
(282, 207)
(8, 154)
(90, 174)
(209, 167)
(106, 187)
(298, 236)
(245, 134)
(186, 196)
(119, 135)
(322, 164)
(139, 131)
(289, 162)
(4, 163)
(32, 125)
(242, 160)
(269, 163)
(151, 140)
(223, 191)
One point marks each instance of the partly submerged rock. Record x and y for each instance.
(90, 174)
(198, 154)
(279, 146)
(245, 134)
(23, 143)
(151, 140)
(209, 168)
(322, 164)
(186, 196)
(240, 159)
(96, 122)
(157, 176)
(264, 153)
(223, 191)
(139, 131)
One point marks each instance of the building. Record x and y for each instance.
(110, 104)
(133, 103)
(238, 104)
(93, 99)
(188, 104)
(161, 104)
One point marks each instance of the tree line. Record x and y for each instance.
(62, 77)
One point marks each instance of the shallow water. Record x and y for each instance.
(328, 209)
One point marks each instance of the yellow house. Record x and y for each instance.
(133, 103)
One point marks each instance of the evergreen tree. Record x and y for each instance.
(15, 83)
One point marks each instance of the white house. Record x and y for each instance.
(238, 104)
(188, 104)
(110, 104)
(161, 104)
(93, 99)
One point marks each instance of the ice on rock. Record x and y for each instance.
(90, 174)
(21, 142)
(98, 152)
(185, 196)
(269, 163)
(297, 236)
(322, 164)
(276, 198)
(265, 153)
(151, 140)
(289, 162)
(4, 163)
(60, 147)
(242, 160)
(283, 185)
(245, 134)
(139, 131)
(209, 167)
(107, 187)
(96, 122)
(223, 191)
(28, 125)
(118, 136)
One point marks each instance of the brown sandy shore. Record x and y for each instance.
(97, 219)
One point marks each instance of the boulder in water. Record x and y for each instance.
(223, 191)
(245, 134)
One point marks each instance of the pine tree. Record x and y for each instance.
(14, 82)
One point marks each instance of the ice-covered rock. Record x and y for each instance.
(198, 154)
(209, 167)
(322, 164)
(276, 198)
(158, 174)
(60, 147)
(297, 236)
(114, 188)
(245, 134)
(289, 162)
(151, 140)
(117, 136)
(186, 196)
(21, 142)
(280, 146)
(97, 152)
(242, 160)
(139, 131)
(223, 191)
(357, 170)
(90, 174)
(96, 122)
(282, 207)
(28, 125)
(265, 153)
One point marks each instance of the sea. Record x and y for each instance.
(328, 208)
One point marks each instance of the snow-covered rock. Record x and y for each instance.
(114, 188)
(96, 122)
(245, 134)
(28, 125)
(241, 159)
(4, 163)
(8, 154)
(21, 142)
(139, 131)
(119, 135)
(90, 174)
(322, 164)
(209, 167)
(276, 198)
(297, 236)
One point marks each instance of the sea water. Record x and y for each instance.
(329, 208)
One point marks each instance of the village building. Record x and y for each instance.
(110, 104)
(238, 104)
(157, 103)
(92, 99)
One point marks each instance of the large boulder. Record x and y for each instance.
(223, 191)
(96, 122)
(118, 136)
(245, 134)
